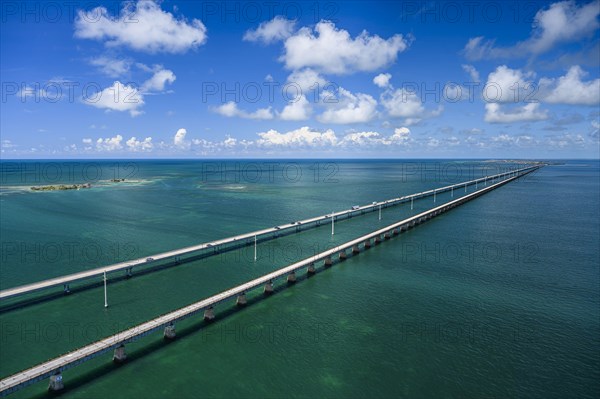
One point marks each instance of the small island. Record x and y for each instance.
(61, 187)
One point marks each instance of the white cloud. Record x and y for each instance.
(111, 66)
(332, 50)
(142, 26)
(382, 80)
(110, 143)
(230, 109)
(279, 28)
(302, 137)
(362, 139)
(530, 112)
(349, 108)
(508, 85)
(158, 81)
(570, 89)
(400, 134)
(562, 22)
(307, 79)
(179, 139)
(297, 110)
(87, 141)
(473, 73)
(118, 97)
(136, 145)
(402, 103)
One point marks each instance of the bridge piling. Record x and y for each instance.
(311, 269)
(209, 314)
(56, 382)
(241, 299)
(328, 262)
(291, 278)
(169, 332)
(268, 288)
(120, 355)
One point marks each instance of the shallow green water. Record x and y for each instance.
(498, 298)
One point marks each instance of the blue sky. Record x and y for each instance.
(296, 79)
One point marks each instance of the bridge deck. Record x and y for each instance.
(78, 356)
(260, 234)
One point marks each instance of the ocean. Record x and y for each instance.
(499, 297)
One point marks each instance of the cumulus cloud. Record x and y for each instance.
(562, 22)
(122, 97)
(382, 80)
(402, 103)
(136, 145)
(297, 110)
(495, 113)
(332, 50)
(307, 80)
(158, 80)
(508, 85)
(302, 137)
(230, 109)
(110, 143)
(571, 89)
(277, 29)
(142, 26)
(179, 140)
(118, 97)
(349, 108)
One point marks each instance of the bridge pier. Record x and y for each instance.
(342, 255)
(367, 244)
(387, 236)
(268, 288)
(328, 262)
(311, 269)
(120, 355)
(291, 278)
(56, 382)
(128, 272)
(66, 289)
(209, 314)
(169, 332)
(241, 300)
(355, 249)
(377, 238)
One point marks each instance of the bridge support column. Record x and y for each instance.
(342, 255)
(241, 300)
(120, 355)
(291, 278)
(56, 382)
(355, 249)
(209, 314)
(268, 288)
(387, 236)
(377, 238)
(169, 332)
(367, 243)
(328, 262)
(396, 231)
(128, 273)
(66, 289)
(311, 269)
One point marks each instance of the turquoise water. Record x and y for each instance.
(498, 298)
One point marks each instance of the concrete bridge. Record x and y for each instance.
(242, 240)
(166, 323)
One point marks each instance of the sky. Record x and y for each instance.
(300, 79)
